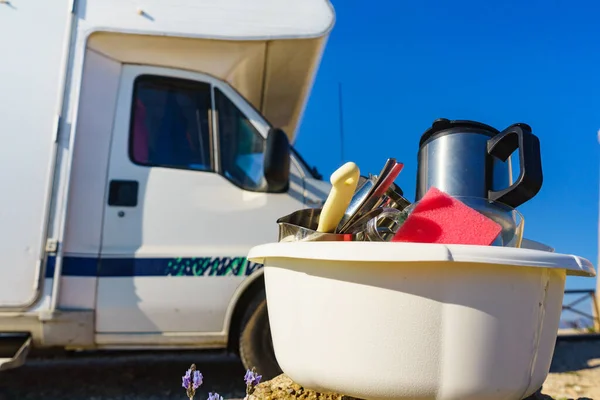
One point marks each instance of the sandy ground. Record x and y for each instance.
(575, 370)
(575, 374)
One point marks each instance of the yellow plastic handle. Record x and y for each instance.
(344, 181)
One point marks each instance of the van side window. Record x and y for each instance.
(241, 146)
(170, 123)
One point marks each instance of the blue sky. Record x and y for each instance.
(403, 64)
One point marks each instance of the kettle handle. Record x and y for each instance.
(530, 177)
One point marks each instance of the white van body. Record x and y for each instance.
(100, 250)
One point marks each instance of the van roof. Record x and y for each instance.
(268, 50)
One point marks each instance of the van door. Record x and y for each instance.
(185, 202)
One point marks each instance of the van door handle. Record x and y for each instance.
(123, 193)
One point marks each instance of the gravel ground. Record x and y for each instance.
(122, 377)
(575, 373)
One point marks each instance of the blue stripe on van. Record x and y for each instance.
(128, 267)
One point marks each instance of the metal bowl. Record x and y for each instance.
(301, 226)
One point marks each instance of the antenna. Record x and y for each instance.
(341, 117)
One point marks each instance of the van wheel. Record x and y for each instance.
(256, 345)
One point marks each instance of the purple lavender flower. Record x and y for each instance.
(197, 380)
(252, 378)
(214, 396)
(191, 381)
(186, 379)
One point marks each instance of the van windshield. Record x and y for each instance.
(314, 173)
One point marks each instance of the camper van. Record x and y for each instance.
(147, 146)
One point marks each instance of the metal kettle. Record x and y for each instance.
(468, 158)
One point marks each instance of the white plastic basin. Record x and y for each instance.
(380, 320)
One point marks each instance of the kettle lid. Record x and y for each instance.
(443, 126)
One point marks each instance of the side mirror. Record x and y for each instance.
(277, 161)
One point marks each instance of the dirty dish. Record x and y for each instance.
(370, 195)
(301, 226)
(379, 224)
(395, 198)
(385, 226)
(343, 184)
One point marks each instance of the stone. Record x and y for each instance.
(283, 388)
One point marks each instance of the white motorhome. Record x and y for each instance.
(142, 158)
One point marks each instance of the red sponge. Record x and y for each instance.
(440, 218)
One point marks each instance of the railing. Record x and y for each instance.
(593, 319)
